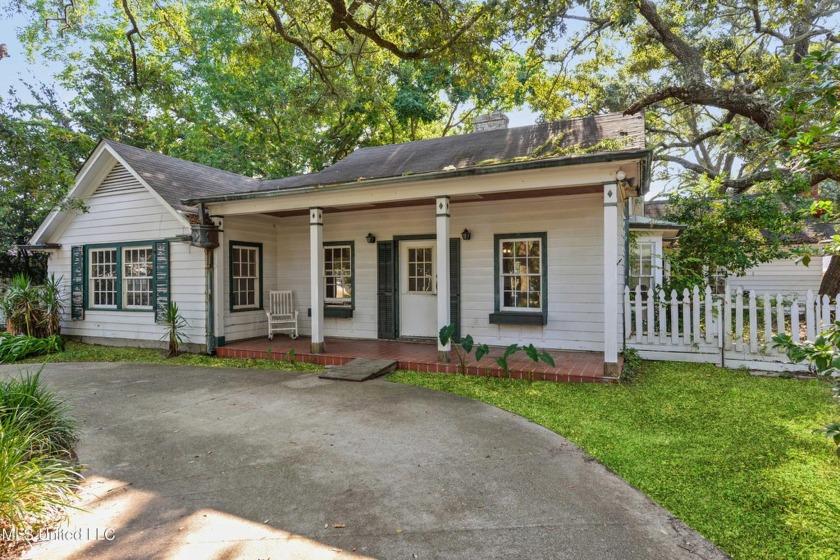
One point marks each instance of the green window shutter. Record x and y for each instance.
(77, 283)
(385, 289)
(455, 284)
(161, 288)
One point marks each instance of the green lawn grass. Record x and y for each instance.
(732, 455)
(76, 352)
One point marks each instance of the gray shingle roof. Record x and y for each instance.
(469, 150)
(176, 179)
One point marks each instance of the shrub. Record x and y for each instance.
(27, 400)
(14, 348)
(37, 478)
(33, 310)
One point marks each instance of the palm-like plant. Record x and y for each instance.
(175, 325)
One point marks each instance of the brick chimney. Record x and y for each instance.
(494, 121)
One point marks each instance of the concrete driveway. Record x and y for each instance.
(204, 463)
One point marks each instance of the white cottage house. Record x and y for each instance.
(512, 234)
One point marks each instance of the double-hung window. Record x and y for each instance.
(520, 279)
(137, 277)
(245, 276)
(103, 278)
(338, 273)
(120, 277)
(645, 267)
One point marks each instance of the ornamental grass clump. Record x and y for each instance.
(14, 348)
(37, 473)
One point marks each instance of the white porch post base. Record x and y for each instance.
(316, 283)
(442, 266)
(610, 279)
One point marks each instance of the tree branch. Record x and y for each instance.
(341, 17)
(135, 30)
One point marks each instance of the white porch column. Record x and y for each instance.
(610, 279)
(316, 281)
(442, 267)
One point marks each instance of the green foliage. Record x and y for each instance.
(25, 398)
(466, 344)
(809, 116)
(14, 348)
(632, 367)
(175, 325)
(37, 478)
(462, 346)
(33, 310)
(732, 233)
(40, 154)
(732, 455)
(823, 356)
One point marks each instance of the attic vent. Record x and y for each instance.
(494, 121)
(118, 181)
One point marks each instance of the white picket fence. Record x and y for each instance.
(730, 330)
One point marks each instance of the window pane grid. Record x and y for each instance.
(103, 276)
(641, 266)
(338, 273)
(522, 274)
(137, 277)
(244, 266)
(420, 270)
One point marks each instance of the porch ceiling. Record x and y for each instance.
(429, 201)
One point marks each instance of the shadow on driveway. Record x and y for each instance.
(231, 463)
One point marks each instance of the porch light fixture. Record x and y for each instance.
(370, 238)
(620, 175)
(466, 235)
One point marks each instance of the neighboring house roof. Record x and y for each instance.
(176, 179)
(563, 139)
(812, 232)
(669, 230)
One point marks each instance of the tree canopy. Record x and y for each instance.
(274, 87)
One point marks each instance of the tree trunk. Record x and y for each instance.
(830, 284)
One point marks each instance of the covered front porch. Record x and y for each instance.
(581, 367)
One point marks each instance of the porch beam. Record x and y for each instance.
(442, 267)
(316, 271)
(611, 279)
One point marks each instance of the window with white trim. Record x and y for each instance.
(338, 274)
(138, 267)
(641, 265)
(646, 263)
(245, 281)
(102, 275)
(521, 273)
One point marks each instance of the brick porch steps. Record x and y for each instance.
(579, 367)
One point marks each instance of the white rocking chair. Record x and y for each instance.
(282, 315)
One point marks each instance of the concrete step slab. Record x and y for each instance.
(360, 369)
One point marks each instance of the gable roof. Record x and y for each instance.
(556, 140)
(177, 179)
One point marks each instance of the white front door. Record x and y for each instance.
(418, 289)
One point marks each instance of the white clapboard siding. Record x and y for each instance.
(734, 329)
(122, 210)
(254, 229)
(784, 276)
(574, 228)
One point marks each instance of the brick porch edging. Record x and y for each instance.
(431, 367)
